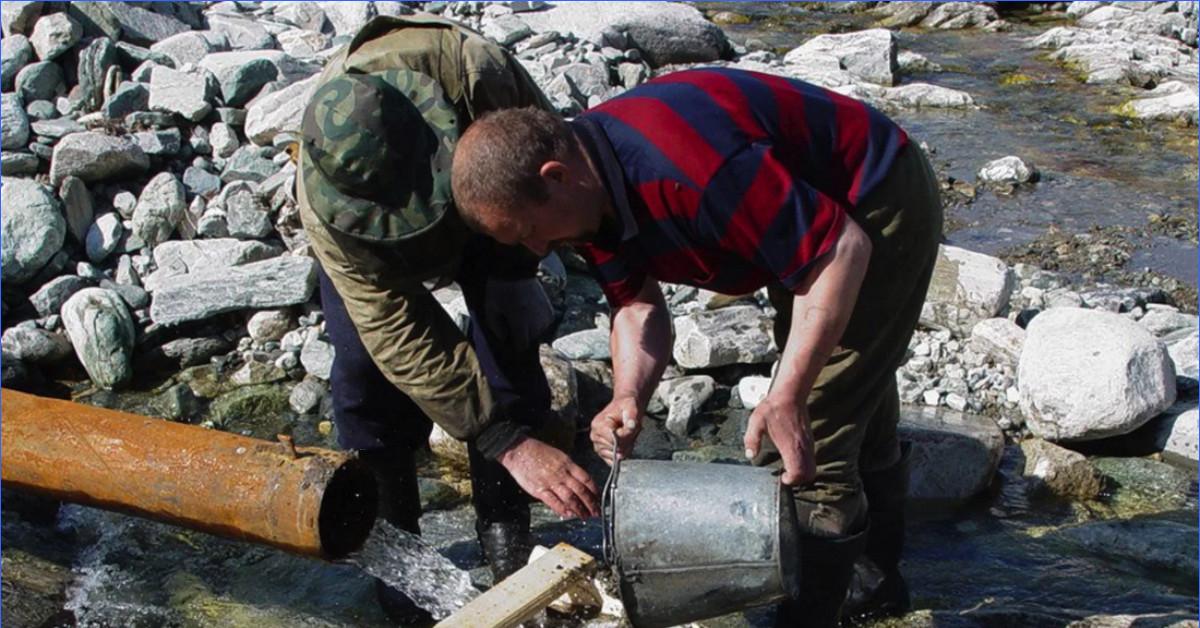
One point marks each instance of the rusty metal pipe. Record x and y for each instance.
(303, 500)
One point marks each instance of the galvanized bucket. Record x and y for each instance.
(692, 540)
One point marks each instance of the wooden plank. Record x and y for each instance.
(523, 594)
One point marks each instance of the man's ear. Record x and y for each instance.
(554, 171)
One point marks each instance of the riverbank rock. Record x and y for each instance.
(317, 356)
(187, 94)
(102, 333)
(1167, 547)
(1060, 472)
(33, 227)
(589, 344)
(681, 398)
(180, 257)
(1087, 374)
(34, 345)
(159, 209)
(278, 112)
(725, 336)
(663, 32)
(966, 288)
(54, 34)
(1011, 170)
(998, 338)
(93, 157)
(1176, 434)
(869, 55)
(1171, 101)
(752, 390)
(277, 282)
(954, 456)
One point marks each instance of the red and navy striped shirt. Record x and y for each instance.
(729, 180)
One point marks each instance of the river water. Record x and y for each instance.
(998, 560)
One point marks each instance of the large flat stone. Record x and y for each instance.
(277, 282)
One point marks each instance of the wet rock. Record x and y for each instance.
(54, 34)
(188, 94)
(102, 333)
(347, 17)
(1060, 472)
(259, 411)
(40, 81)
(868, 55)
(33, 228)
(95, 156)
(437, 494)
(178, 403)
(242, 33)
(921, 95)
(725, 336)
(277, 112)
(159, 209)
(103, 237)
(1007, 170)
(1086, 374)
(49, 299)
(589, 344)
(191, 46)
(19, 17)
(14, 124)
(1163, 546)
(277, 282)
(954, 456)
(682, 398)
(15, 53)
(1151, 620)
(966, 288)
(1172, 101)
(752, 390)
(34, 345)
(665, 33)
(999, 338)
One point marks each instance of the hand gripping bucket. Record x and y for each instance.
(692, 540)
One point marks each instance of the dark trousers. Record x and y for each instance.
(375, 417)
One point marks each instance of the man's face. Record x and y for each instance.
(540, 229)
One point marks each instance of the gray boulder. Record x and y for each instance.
(95, 157)
(303, 43)
(126, 21)
(682, 398)
(1161, 321)
(751, 390)
(954, 456)
(306, 15)
(306, 395)
(740, 334)
(159, 209)
(15, 164)
(242, 33)
(664, 32)
(966, 288)
(33, 228)
(188, 94)
(507, 29)
(1176, 433)
(955, 15)
(14, 124)
(1183, 352)
(54, 34)
(57, 128)
(1060, 472)
(1087, 374)
(1010, 170)
(589, 344)
(19, 17)
(15, 53)
(248, 163)
(277, 282)
(269, 325)
(176, 258)
(868, 55)
(243, 74)
(277, 112)
(998, 338)
(103, 236)
(49, 299)
(347, 17)
(191, 46)
(95, 61)
(1172, 101)
(34, 345)
(317, 357)
(103, 334)
(128, 98)
(159, 142)
(40, 81)
(77, 205)
(245, 215)
(223, 139)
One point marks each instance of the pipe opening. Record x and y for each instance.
(348, 509)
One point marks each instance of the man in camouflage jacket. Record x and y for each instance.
(374, 196)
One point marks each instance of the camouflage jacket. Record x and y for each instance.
(407, 333)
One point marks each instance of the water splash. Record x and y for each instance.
(406, 562)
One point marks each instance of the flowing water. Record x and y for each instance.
(406, 562)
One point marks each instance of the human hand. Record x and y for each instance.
(549, 475)
(621, 415)
(786, 420)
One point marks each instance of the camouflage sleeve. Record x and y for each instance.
(494, 79)
(412, 340)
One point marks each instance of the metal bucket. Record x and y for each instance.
(692, 540)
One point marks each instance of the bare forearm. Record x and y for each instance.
(821, 310)
(641, 345)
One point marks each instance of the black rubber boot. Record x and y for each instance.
(506, 546)
(879, 589)
(826, 566)
(400, 505)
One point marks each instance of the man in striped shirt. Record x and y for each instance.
(731, 181)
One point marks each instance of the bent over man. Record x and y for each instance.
(374, 196)
(731, 181)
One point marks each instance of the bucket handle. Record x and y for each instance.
(608, 546)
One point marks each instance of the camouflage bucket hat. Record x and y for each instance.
(376, 154)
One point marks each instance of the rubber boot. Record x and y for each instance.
(879, 589)
(400, 505)
(506, 545)
(826, 566)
